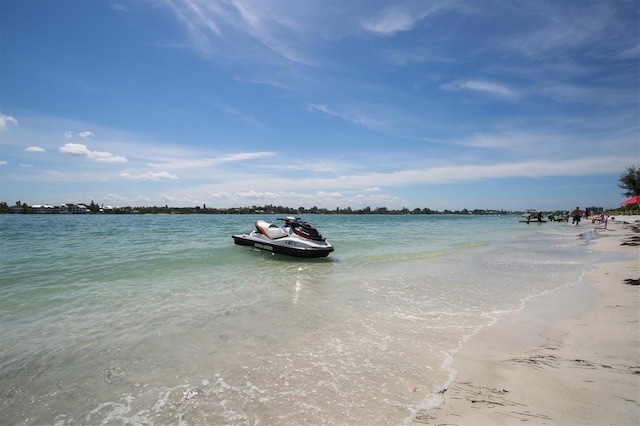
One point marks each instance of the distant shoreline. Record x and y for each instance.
(93, 208)
(239, 211)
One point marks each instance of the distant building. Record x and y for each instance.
(42, 208)
(63, 209)
(79, 209)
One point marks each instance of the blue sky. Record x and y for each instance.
(440, 104)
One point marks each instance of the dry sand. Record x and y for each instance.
(570, 357)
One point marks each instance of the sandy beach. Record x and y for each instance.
(570, 357)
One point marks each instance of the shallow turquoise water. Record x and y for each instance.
(161, 319)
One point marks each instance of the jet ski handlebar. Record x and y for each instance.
(288, 218)
(302, 228)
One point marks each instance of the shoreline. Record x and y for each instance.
(571, 356)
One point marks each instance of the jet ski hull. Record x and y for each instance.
(289, 246)
(296, 238)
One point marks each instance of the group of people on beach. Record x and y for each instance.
(576, 215)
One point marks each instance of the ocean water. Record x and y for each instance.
(161, 319)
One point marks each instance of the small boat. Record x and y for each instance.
(295, 238)
(532, 215)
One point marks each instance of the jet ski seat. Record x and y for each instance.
(270, 230)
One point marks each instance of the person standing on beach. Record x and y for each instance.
(576, 215)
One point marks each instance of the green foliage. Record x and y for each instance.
(630, 181)
(266, 209)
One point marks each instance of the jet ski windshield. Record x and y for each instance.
(302, 228)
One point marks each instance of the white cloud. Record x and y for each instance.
(358, 118)
(247, 118)
(180, 164)
(85, 135)
(253, 195)
(424, 176)
(81, 150)
(75, 149)
(508, 140)
(318, 166)
(322, 108)
(560, 27)
(479, 86)
(630, 52)
(390, 21)
(472, 172)
(34, 149)
(243, 156)
(3, 163)
(325, 194)
(150, 176)
(6, 120)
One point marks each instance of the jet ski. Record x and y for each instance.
(532, 215)
(295, 238)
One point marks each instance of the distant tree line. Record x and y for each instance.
(92, 207)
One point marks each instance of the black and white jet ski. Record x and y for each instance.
(295, 238)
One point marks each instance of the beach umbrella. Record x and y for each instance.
(631, 200)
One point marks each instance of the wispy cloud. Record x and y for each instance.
(150, 176)
(390, 21)
(193, 163)
(82, 135)
(242, 156)
(319, 165)
(242, 116)
(562, 27)
(479, 86)
(290, 30)
(82, 150)
(455, 173)
(34, 149)
(86, 135)
(403, 16)
(355, 118)
(213, 25)
(6, 120)
(632, 52)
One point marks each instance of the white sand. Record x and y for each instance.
(571, 357)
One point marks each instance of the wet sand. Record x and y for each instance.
(570, 357)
